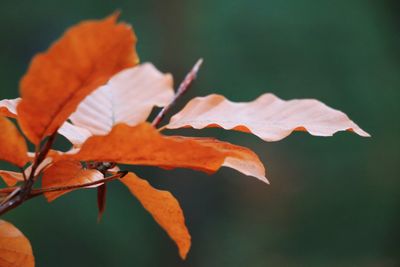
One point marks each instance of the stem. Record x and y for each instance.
(38, 192)
(182, 89)
(22, 193)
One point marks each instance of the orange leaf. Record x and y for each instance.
(239, 158)
(12, 145)
(144, 145)
(268, 117)
(164, 208)
(15, 249)
(8, 107)
(66, 173)
(58, 80)
(11, 178)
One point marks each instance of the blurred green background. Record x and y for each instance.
(331, 202)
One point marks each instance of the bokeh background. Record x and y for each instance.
(332, 201)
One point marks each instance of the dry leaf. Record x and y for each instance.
(101, 200)
(8, 107)
(11, 178)
(268, 117)
(67, 173)
(15, 249)
(85, 58)
(239, 158)
(144, 145)
(164, 208)
(76, 135)
(129, 98)
(13, 146)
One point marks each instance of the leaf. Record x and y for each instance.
(15, 249)
(101, 200)
(239, 158)
(86, 57)
(144, 145)
(76, 135)
(67, 173)
(129, 98)
(13, 147)
(268, 117)
(8, 107)
(164, 208)
(11, 178)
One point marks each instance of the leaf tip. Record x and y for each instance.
(185, 249)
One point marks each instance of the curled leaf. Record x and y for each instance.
(15, 249)
(144, 145)
(86, 57)
(13, 147)
(67, 173)
(8, 107)
(128, 97)
(268, 117)
(164, 208)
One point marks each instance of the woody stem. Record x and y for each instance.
(182, 89)
(21, 194)
(38, 192)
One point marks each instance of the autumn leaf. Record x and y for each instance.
(15, 249)
(65, 173)
(8, 107)
(13, 147)
(128, 97)
(164, 208)
(11, 178)
(239, 158)
(88, 87)
(144, 145)
(268, 117)
(86, 57)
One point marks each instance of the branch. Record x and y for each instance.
(183, 88)
(38, 192)
(22, 193)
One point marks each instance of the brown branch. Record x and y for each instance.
(41, 191)
(183, 88)
(22, 193)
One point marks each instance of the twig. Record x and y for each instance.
(37, 192)
(11, 195)
(21, 194)
(183, 88)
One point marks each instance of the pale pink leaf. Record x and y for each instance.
(268, 117)
(75, 134)
(8, 107)
(129, 98)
